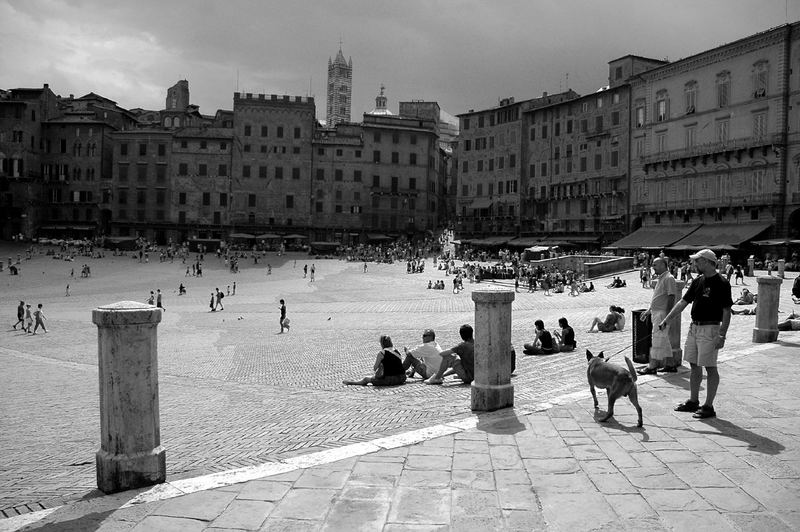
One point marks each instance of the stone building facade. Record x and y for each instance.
(22, 115)
(714, 139)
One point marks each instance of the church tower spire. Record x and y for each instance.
(340, 89)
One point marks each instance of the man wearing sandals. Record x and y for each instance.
(710, 296)
(664, 295)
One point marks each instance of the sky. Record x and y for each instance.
(464, 54)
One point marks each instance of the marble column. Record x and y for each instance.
(782, 268)
(130, 454)
(751, 266)
(492, 388)
(766, 329)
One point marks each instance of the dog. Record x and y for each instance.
(616, 380)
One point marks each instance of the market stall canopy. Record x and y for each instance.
(295, 237)
(539, 249)
(525, 241)
(775, 242)
(241, 235)
(491, 241)
(268, 236)
(376, 236)
(481, 203)
(715, 236)
(655, 237)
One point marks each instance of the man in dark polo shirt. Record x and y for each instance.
(710, 296)
(459, 359)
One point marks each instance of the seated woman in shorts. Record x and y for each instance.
(388, 367)
(611, 322)
(565, 339)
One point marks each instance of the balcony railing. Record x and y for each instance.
(747, 200)
(710, 148)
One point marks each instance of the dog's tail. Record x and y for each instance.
(631, 369)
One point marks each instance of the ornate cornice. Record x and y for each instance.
(716, 55)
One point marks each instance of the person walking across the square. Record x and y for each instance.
(39, 316)
(710, 296)
(664, 295)
(158, 299)
(283, 316)
(20, 315)
(28, 319)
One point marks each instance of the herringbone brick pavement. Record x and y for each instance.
(233, 392)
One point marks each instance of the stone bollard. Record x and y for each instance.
(766, 329)
(781, 268)
(492, 388)
(675, 331)
(751, 266)
(130, 454)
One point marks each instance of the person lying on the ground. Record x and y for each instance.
(388, 368)
(425, 358)
(791, 323)
(459, 359)
(542, 342)
(746, 298)
(746, 311)
(565, 340)
(610, 323)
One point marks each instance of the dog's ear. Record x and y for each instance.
(589, 355)
(601, 354)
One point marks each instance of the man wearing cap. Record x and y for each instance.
(710, 296)
(425, 358)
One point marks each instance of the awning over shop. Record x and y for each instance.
(525, 241)
(654, 237)
(241, 235)
(481, 203)
(491, 241)
(377, 237)
(267, 236)
(294, 237)
(715, 236)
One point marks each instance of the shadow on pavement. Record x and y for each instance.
(509, 424)
(755, 442)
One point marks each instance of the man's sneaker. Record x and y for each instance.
(668, 369)
(433, 380)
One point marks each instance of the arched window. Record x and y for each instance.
(760, 76)
(690, 96)
(76, 149)
(168, 122)
(723, 89)
(177, 122)
(662, 105)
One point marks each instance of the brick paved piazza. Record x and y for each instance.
(233, 392)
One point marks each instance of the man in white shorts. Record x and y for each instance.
(710, 296)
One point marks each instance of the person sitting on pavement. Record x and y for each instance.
(542, 343)
(609, 324)
(791, 323)
(746, 298)
(388, 367)
(796, 290)
(459, 359)
(425, 358)
(566, 338)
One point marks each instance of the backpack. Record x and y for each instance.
(221, 295)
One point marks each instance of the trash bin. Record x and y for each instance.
(641, 331)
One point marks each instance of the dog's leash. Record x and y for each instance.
(629, 346)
